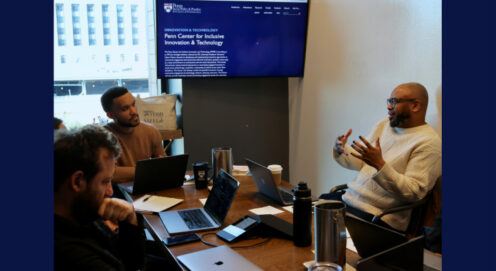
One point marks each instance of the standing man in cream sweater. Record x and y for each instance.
(398, 163)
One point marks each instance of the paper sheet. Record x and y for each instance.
(151, 203)
(267, 210)
(288, 208)
(240, 170)
(349, 242)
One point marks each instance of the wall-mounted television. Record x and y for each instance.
(235, 38)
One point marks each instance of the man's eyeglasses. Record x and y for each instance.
(394, 101)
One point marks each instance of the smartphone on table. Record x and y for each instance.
(181, 239)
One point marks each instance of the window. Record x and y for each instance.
(120, 24)
(76, 29)
(134, 24)
(103, 61)
(59, 13)
(106, 25)
(91, 24)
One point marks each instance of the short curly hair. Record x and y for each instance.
(107, 98)
(79, 149)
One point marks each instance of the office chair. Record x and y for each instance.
(424, 211)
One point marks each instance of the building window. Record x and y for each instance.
(120, 24)
(90, 11)
(106, 25)
(92, 25)
(134, 24)
(59, 13)
(76, 26)
(136, 57)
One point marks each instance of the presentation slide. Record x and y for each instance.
(211, 38)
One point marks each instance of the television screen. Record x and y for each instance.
(235, 38)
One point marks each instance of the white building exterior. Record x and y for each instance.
(99, 40)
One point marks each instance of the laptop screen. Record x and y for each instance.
(408, 256)
(221, 196)
(370, 238)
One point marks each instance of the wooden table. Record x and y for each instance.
(276, 254)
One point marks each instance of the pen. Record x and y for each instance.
(147, 198)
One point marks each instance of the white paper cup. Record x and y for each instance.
(276, 173)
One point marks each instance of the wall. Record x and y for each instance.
(357, 52)
(248, 114)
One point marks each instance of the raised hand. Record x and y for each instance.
(341, 142)
(369, 154)
(117, 210)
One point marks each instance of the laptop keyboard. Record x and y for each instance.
(194, 219)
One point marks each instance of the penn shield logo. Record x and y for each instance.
(168, 7)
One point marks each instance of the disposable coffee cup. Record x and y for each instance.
(276, 173)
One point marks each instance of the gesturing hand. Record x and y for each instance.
(369, 154)
(117, 210)
(341, 142)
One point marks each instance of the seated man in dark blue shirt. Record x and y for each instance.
(84, 164)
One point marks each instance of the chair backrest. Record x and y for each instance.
(433, 206)
(425, 214)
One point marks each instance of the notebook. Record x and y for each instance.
(218, 259)
(262, 177)
(154, 204)
(370, 238)
(211, 216)
(157, 174)
(408, 256)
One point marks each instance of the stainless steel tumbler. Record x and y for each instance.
(330, 232)
(221, 158)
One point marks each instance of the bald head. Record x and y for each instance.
(415, 91)
(409, 107)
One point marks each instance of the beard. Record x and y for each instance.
(398, 119)
(128, 123)
(85, 209)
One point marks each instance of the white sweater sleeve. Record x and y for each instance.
(348, 161)
(419, 178)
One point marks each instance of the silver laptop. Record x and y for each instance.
(262, 177)
(218, 259)
(157, 174)
(211, 216)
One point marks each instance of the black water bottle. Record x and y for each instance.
(302, 215)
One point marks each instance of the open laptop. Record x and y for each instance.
(157, 174)
(211, 216)
(218, 258)
(408, 256)
(370, 238)
(262, 177)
